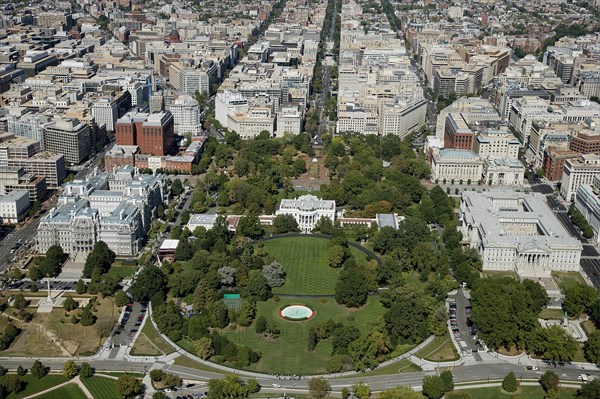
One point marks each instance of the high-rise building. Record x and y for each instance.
(578, 171)
(186, 115)
(69, 137)
(105, 112)
(152, 133)
(28, 125)
(22, 152)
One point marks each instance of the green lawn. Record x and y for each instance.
(101, 387)
(567, 280)
(403, 366)
(441, 349)
(152, 335)
(34, 385)
(551, 314)
(70, 391)
(529, 392)
(287, 354)
(306, 264)
(122, 271)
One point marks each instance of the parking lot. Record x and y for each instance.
(463, 330)
(130, 323)
(188, 391)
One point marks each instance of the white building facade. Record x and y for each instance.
(14, 206)
(307, 210)
(456, 165)
(578, 171)
(517, 231)
(186, 115)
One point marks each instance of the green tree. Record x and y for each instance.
(553, 343)
(121, 298)
(38, 370)
(52, 263)
(247, 312)
(591, 390)
(549, 381)
(21, 371)
(101, 257)
(318, 387)
(203, 348)
(285, 224)
(448, 380)
(159, 395)
(578, 298)
(352, 288)
(70, 369)
(258, 286)
(80, 288)
(86, 371)
(128, 386)
(176, 187)
(203, 294)
(86, 318)
(592, 347)
(361, 390)
(337, 254)
(70, 303)
(183, 251)
(249, 226)
(148, 282)
(509, 383)
(261, 324)
(433, 387)
(400, 393)
(504, 311)
(20, 302)
(13, 383)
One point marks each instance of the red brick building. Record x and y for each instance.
(457, 133)
(586, 142)
(152, 133)
(554, 161)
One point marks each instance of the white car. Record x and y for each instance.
(276, 385)
(166, 390)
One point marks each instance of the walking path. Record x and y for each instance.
(182, 352)
(76, 381)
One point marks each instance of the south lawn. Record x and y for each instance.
(306, 264)
(288, 354)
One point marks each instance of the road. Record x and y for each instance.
(479, 372)
(590, 260)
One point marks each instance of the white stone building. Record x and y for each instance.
(449, 164)
(517, 231)
(289, 120)
(578, 171)
(105, 112)
(307, 210)
(587, 201)
(14, 206)
(503, 172)
(116, 208)
(186, 115)
(249, 122)
(226, 102)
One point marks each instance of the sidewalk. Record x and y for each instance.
(76, 381)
